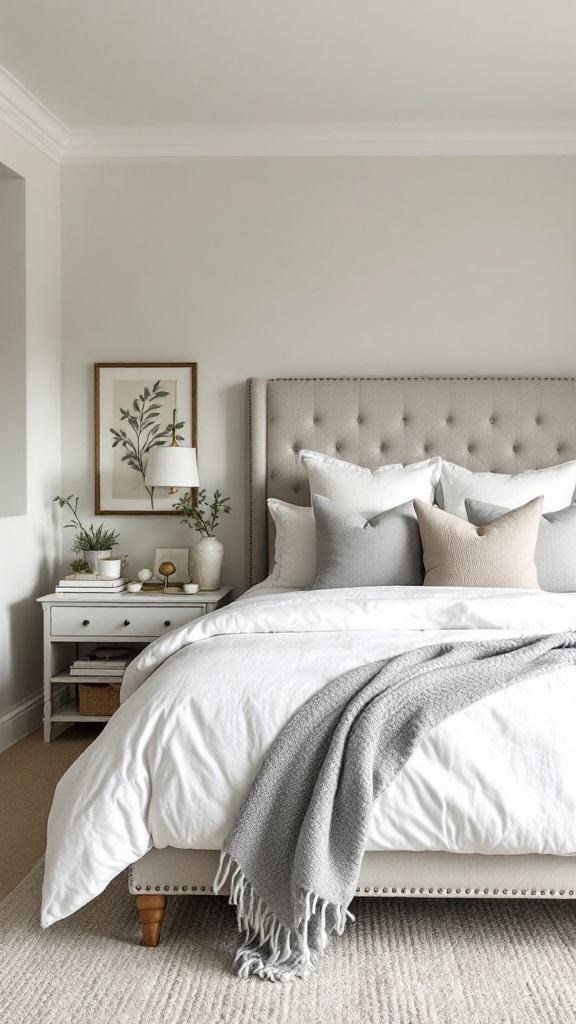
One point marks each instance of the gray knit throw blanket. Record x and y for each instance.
(295, 849)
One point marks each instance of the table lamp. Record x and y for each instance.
(172, 467)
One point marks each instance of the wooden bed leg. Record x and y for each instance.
(151, 912)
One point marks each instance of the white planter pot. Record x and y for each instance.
(92, 558)
(208, 554)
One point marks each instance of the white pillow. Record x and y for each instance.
(556, 484)
(295, 548)
(371, 491)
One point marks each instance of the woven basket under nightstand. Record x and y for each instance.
(94, 699)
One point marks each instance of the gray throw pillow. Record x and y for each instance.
(352, 551)
(555, 554)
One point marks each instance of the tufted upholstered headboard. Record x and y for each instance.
(499, 424)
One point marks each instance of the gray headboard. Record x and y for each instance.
(500, 424)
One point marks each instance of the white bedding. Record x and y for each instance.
(204, 703)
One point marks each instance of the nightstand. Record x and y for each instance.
(72, 620)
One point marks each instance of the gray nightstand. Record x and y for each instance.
(71, 620)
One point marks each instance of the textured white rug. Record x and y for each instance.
(402, 962)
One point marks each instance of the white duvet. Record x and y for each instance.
(203, 704)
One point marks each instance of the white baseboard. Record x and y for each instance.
(21, 720)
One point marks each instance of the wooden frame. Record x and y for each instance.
(118, 459)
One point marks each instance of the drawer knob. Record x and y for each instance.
(85, 622)
(166, 622)
(126, 622)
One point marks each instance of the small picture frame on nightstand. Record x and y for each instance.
(180, 558)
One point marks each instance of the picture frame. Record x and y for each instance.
(133, 412)
(181, 557)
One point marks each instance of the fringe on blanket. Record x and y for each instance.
(271, 949)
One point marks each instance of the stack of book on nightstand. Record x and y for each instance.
(87, 583)
(107, 663)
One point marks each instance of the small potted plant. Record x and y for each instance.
(208, 551)
(89, 544)
(79, 565)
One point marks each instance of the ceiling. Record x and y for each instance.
(106, 64)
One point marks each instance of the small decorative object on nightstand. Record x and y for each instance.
(74, 624)
(167, 569)
(208, 552)
(208, 555)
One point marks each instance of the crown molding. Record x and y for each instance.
(368, 139)
(25, 114)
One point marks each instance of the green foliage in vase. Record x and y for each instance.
(203, 516)
(146, 432)
(87, 538)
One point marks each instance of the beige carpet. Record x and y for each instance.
(403, 962)
(29, 772)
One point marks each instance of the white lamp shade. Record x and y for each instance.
(172, 467)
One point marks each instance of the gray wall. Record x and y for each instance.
(30, 543)
(12, 347)
(307, 266)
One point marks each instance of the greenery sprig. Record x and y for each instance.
(203, 516)
(87, 538)
(148, 433)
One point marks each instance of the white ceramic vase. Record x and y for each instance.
(208, 555)
(92, 557)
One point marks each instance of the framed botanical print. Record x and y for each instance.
(138, 406)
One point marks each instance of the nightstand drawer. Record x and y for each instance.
(121, 622)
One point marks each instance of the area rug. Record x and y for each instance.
(402, 962)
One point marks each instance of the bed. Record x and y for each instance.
(485, 424)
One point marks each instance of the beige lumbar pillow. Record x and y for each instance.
(498, 554)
